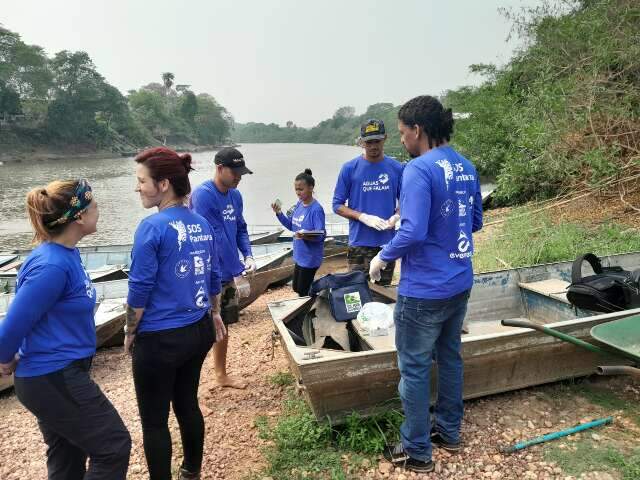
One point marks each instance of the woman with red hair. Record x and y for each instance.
(173, 317)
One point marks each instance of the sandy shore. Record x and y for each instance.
(233, 449)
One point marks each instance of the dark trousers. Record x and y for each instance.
(302, 279)
(359, 258)
(166, 370)
(77, 421)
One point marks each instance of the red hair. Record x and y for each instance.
(163, 163)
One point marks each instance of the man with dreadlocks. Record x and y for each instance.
(441, 206)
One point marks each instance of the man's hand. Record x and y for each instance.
(393, 219)
(218, 324)
(375, 267)
(250, 265)
(129, 340)
(373, 221)
(6, 369)
(276, 208)
(242, 286)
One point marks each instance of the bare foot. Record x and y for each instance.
(230, 382)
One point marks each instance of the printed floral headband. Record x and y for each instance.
(77, 205)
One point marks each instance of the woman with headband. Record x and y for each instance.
(173, 311)
(48, 338)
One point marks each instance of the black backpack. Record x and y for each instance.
(611, 289)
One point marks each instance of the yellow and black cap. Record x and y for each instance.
(372, 130)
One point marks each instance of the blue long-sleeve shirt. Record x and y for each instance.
(174, 269)
(50, 322)
(440, 208)
(223, 211)
(306, 253)
(371, 188)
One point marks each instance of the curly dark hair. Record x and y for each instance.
(428, 113)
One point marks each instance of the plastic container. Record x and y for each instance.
(376, 318)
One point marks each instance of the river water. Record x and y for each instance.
(274, 167)
(113, 181)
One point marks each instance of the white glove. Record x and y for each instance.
(375, 267)
(393, 219)
(242, 286)
(249, 265)
(373, 221)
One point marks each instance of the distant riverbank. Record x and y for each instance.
(79, 152)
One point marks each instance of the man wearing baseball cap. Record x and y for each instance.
(367, 193)
(220, 203)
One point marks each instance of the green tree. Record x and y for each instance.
(80, 93)
(150, 109)
(167, 80)
(24, 73)
(212, 123)
(188, 105)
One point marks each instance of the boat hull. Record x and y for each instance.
(496, 359)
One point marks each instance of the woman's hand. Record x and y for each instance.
(6, 369)
(276, 208)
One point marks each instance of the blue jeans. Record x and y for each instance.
(425, 327)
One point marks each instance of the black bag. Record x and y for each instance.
(611, 289)
(346, 292)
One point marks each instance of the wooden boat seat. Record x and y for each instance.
(553, 288)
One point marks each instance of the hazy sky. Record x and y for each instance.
(277, 60)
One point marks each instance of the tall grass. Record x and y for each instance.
(530, 239)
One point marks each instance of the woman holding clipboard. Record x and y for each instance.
(307, 223)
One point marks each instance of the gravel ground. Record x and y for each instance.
(233, 447)
(231, 442)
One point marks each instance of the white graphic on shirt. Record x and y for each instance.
(381, 184)
(471, 200)
(463, 242)
(448, 170)
(209, 263)
(88, 286)
(182, 268)
(297, 221)
(446, 208)
(179, 227)
(462, 209)
(228, 213)
(198, 265)
(464, 247)
(200, 298)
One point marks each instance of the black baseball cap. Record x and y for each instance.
(372, 130)
(232, 158)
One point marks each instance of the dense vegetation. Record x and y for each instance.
(64, 100)
(342, 128)
(564, 113)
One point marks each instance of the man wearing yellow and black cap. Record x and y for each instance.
(367, 193)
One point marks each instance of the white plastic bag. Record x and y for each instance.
(376, 318)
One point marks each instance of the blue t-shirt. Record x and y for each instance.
(306, 253)
(223, 211)
(50, 321)
(372, 188)
(174, 269)
(440, 208)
